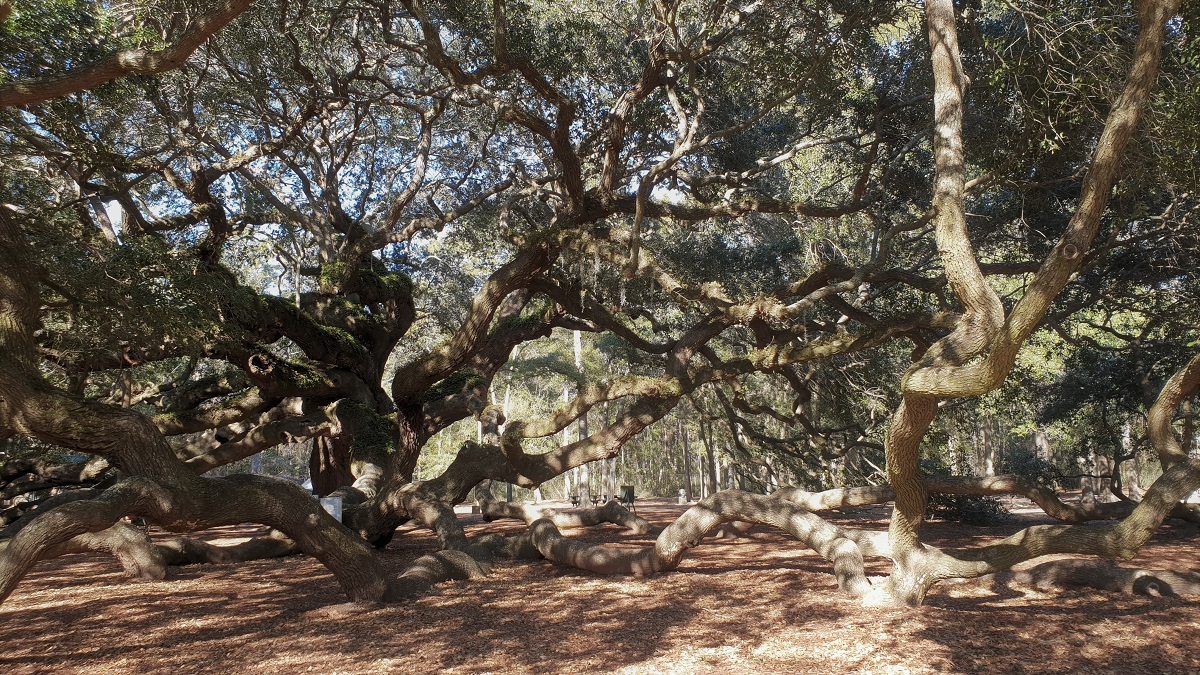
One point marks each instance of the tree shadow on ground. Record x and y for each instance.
(762, 603)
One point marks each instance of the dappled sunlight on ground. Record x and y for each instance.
(756, 604)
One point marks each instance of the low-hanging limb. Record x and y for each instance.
(161, 488)
(611, 512)
(830, 541)
(1006, 484)
(237, 499)
(49, 534)
(1105, 576)
(189, 551)
(136, 553)
(1122, 539)
(1118, 540)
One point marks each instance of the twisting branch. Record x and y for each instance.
(830, 541)
(929, 380)
(126, 62)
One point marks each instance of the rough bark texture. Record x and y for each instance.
(1179, 388)
(131, 547)
(329, 465)
(436, 568)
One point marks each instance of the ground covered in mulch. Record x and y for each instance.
(756, 604)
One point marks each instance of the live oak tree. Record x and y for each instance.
(277, 221)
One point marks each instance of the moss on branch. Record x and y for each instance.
(372, 282)
(369, 432)
(455, 383)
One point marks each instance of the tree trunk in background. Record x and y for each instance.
(570, 478)
(1129, 474)
(611, 474)
(954, 453)
(710, 477)
(687, 464)
(581, 428)
(1094, 485)
(1041, 445)
(985, 448)
(712, 470)
(585, 484)
(1087, 484)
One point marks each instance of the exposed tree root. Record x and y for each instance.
(1105, 576)
(516, 547)
(697, 522)
(928, 565)
(465, 559)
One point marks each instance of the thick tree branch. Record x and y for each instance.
(127, 62)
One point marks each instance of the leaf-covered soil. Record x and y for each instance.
(755, 604)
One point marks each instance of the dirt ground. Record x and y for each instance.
(756, 604)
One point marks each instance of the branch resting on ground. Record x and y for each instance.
(833, 543)
(610, 512)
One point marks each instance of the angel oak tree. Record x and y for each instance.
(269, 222)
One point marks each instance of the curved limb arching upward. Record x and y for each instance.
(954, 376)
(46, 534)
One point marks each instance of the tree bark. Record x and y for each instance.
(949, 368)
(689, 530)
(160, 487)
(611, 512)
(329, 465)
(138, 556)
(1105, 576)
(687, 464)
(26, 92)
